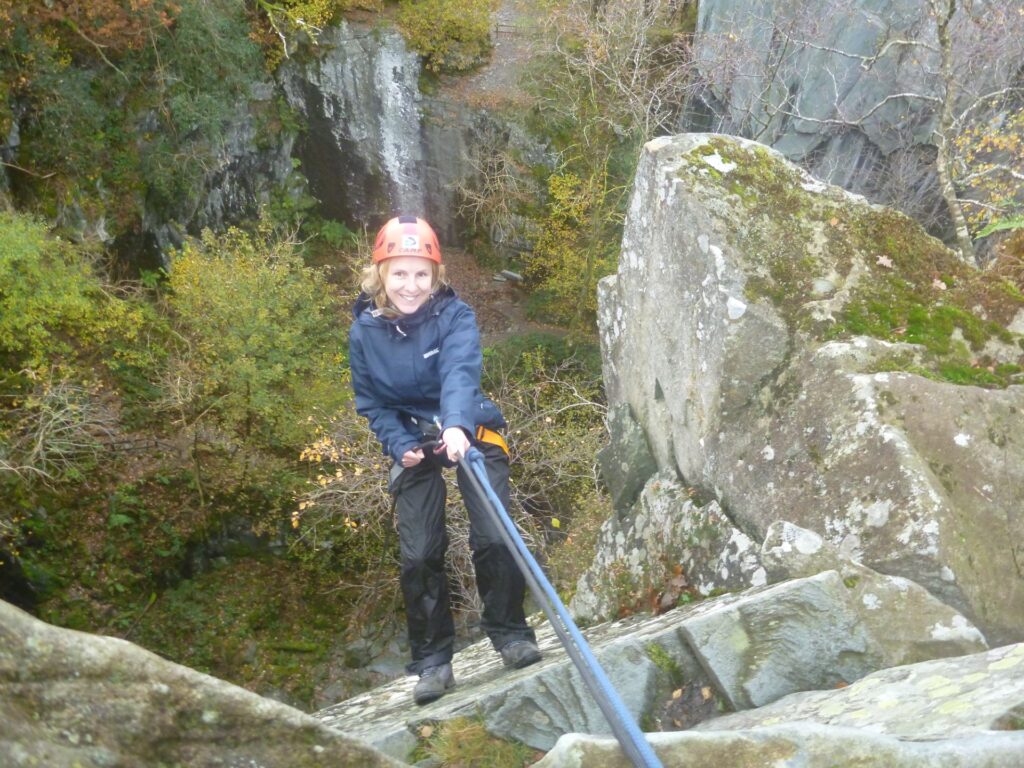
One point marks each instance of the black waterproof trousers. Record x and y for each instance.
(420, 493)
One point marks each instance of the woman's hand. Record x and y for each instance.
(455, 443)
(412, 458)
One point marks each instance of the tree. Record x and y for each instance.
(262, 347)
(915, 77)
(617, 77)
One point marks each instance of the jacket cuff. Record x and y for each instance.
(460, 420)
(398, 450)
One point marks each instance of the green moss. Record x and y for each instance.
(663, 661)
(907, 287)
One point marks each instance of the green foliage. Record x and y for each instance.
(263, 623)
(451, 35)
(281, 25)
(47, 293)
(123, 101)
(549, 390)
(1000, 225)
(614, 79)
(262, 342)
(577, 245)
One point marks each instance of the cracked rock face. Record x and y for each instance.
(754, 392)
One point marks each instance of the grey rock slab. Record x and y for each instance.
(907, 623)
(534, 705)
(794, 746)
(820, 631)
(74, 700)
(755, 647)
(626, 463)
(939, 699)
(798, 635)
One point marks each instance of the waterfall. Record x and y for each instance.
(362, 147)
(396, 74)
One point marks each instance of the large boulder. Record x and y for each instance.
(793, 746)
(952, 713)
(73, 700)
(962, 696)
(763, 391)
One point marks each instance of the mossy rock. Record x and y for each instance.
(836, 267)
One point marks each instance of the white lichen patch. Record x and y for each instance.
(877, 514)
(718, 163)
(959, 629)
(871, 601)
(735, 308)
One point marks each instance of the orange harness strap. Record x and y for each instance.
(485, 435)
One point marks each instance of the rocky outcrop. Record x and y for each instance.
(794, 746)
(748, 648)
(667, 547)
(73, 700)
(951, 713)
(967, 696)
(757, 390)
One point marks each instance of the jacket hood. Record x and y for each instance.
(441, 298)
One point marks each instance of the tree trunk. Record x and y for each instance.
(943, 133)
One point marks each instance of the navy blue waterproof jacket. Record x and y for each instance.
(409, 370)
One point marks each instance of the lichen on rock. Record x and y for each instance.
(796, 353)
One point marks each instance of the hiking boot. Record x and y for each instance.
(434, 681)
(520, 653)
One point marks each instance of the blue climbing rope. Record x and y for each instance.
(629, 735)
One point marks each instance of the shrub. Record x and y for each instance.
(577, 244)
(121, 100)
(262, 348)
(451, 35)
(56, 319)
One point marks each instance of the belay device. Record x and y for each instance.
(622, 724)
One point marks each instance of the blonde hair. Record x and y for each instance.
(372, 279)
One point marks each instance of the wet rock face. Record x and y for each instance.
(752, 388)
(361, 148)
(374, 146)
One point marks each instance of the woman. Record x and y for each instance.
(414, 350)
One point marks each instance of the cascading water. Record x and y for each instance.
(373, 146)
(362, 147)
(396, 75)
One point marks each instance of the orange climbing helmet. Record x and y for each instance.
(406, 236)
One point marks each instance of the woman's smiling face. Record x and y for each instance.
(408, 282)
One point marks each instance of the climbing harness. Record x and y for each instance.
(629, 735)
(485, 435)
